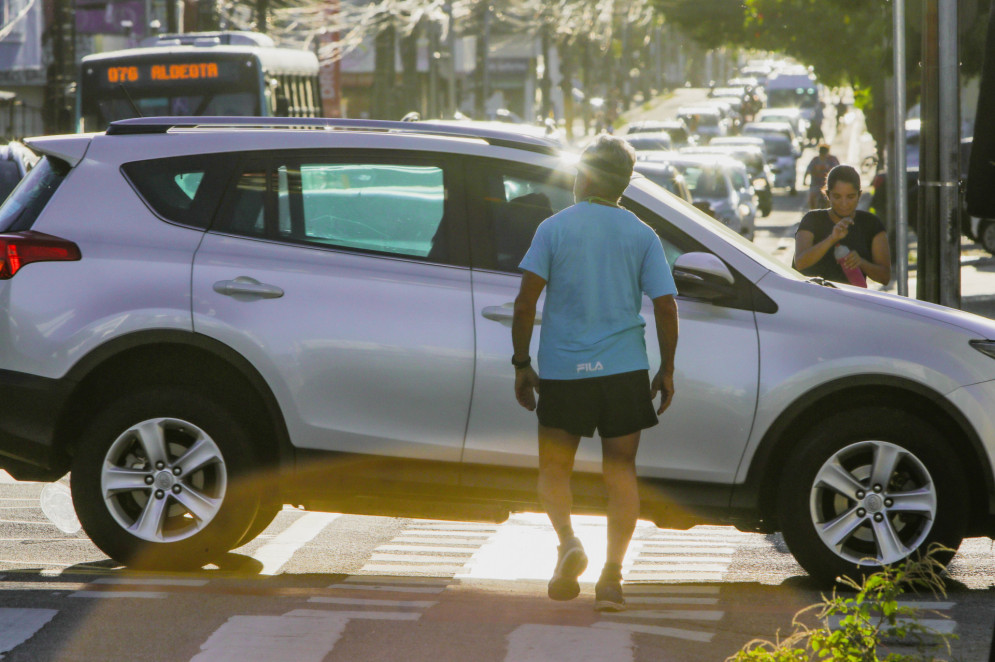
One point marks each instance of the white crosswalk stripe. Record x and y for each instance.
(430, 548)
(17, 625)
(646, 597)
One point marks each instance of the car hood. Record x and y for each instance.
(979, 327)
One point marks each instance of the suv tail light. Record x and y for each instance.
(20, 248)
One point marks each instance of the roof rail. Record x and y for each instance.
(151, 125)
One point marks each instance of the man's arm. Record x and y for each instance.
(526, 379)
(665, 314)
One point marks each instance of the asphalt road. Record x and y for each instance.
(318, 586)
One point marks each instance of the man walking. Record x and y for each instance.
(597, 260)
(816, 172)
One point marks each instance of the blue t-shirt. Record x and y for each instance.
(597, 262)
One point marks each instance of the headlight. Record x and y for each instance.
(986, 347)
(744, 210)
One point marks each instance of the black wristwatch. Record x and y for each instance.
(521, 365)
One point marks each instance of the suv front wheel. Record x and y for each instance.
(867, 488)
(160, 479)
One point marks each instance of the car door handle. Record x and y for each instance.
(245, 286)
(505, 314)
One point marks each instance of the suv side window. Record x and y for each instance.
(513, 202)
(181, 189)
(393, 208)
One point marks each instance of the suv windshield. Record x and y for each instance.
(22, 207)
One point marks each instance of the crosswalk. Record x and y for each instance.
(674, 589)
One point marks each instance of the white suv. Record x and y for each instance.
(206, 318)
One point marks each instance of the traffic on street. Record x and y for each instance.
(305, 358)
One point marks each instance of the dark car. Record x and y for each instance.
(879, 185)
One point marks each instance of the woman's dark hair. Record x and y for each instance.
(842, 173)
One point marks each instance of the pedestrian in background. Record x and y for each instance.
(816, 172)
(595, 260)
(843, 244)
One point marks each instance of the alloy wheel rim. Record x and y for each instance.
(873, 503)
(163, 480)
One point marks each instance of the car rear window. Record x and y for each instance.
(182, 189)
(22, 207)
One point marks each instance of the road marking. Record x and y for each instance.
(661, 631)
(653, 600)
(118, 594)
(451, 534)
(661, 589)
(422, 558)
(541, 643)
(441, 582)
(152, 581)
(470, 543)
(669, 614)
(303, 637)
(276, 553)
(433, 569)
(389, 588)
(362, 602)
(657, 557)
(426, 548)
(17, 625)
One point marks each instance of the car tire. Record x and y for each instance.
(268, 510)
(986, 235)
(160, 479)
(837, 520)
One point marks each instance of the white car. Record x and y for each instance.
(209, 317)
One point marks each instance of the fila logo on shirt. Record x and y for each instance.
(590, 367)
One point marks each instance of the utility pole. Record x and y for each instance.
(899, 189)
(939, 181)
(60, 100)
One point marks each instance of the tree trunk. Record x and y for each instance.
(382, 102)
(546, 82)
(262, 15)
(483, 45)
(410, 99)
(566, 86)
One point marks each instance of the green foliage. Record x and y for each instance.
(868, 621)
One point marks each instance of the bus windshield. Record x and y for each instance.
(149, 103)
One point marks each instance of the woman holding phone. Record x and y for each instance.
(843, 244)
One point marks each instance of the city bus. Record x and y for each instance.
(205, 73)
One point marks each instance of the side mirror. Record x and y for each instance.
(704, 276)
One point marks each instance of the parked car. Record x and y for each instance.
(879, 184)
(680, 135)
(782, 155)
(254, 312)
(790, 116)
(706, 122)
(649, 141)
(760, 174)
(722, 183)
(784, 128)
(14, 163)
(666, 176)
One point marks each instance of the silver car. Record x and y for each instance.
(259, 311)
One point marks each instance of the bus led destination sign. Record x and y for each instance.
(163, 72)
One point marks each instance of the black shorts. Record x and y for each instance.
(615, 405)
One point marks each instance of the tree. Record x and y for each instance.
(845, 41)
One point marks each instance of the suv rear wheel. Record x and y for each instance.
(870, 487)
(986, 235)
(158, 479)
